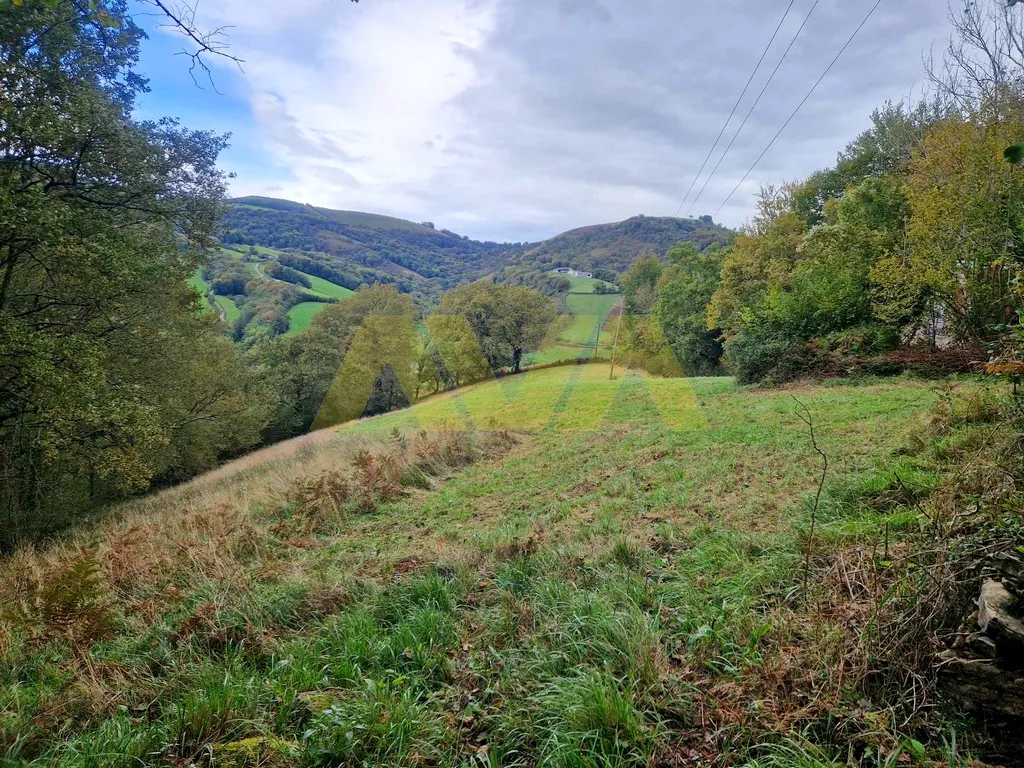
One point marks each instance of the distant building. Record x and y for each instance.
(573, 272)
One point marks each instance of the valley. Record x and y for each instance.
(289, 486)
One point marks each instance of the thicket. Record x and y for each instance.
(914, 240)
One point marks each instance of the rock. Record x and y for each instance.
(260, 752)
(995, 617)
(981, 646)
(984, 685)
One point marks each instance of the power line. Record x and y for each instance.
(753, 106)
(736, 106)
(801, 104)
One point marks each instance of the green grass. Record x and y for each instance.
(197, 282)
(203, 287)
(599, 596)
(323, 287)
(590, 311)
(578, 339)
(231, 311)
(301, 315)
(319, 286)
(582, 284)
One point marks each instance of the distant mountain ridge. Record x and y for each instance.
(607, 250)
(423, 260)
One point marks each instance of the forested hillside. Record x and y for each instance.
(607, 249)
(350, 248)
(363, 247)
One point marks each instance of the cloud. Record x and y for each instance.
(515, 119)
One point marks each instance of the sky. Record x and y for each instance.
(514, 120)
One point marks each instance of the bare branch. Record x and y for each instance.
(806, 418)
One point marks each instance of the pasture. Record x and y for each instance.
(301, 315)
(554, 569)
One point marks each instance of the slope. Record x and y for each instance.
(362, 246)
(615, 246)
(607, 249)
(350, 247)
(605, 579)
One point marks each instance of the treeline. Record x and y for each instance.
(112, 377)
(351, 276)
(369, 353)
(912, 243)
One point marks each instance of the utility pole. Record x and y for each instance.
(615, 344)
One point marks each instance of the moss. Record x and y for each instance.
(258, 752)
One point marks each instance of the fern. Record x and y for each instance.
(69, 602)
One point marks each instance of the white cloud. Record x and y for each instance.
(516, 119)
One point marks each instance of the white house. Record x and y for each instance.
(573, 272)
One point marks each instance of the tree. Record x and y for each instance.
(387, 395)
(299, 370)
(508, 321)
(684, 291)
(640, 285)
(982, 67)
(967, 227)
(102, 220)
(376, 329)
(380, 343)
(455, 351)
(762, 256)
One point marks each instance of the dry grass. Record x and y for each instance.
(255, 517)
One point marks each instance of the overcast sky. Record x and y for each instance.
(518, 119)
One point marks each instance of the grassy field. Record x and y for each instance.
(602, 573)
(327, 288)
(319, 286)
(582, 284)
(301, 315)
(590, 311)
(231, 311)
(197, 282)
(581, 338)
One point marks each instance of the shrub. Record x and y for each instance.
(867, 339)
(773, 358)
(70, 602)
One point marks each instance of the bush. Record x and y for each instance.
(286, 274)
(868, 339)
(774, 358)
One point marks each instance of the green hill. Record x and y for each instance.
(329, 253)
(606, 249)
(615, 246)
(351, 247)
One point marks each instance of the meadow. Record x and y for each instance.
(231, 310)
(323, 287)
(558, 568)
(583, 336)
(301, 315)
(203, 287)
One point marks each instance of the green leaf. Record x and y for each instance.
(107, 20)
(1014, 154)
(915, 749)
